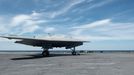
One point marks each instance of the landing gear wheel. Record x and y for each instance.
(74, 53)
(45, 53)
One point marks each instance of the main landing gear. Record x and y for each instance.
(45, 53)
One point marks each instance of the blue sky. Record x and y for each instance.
(108, 24)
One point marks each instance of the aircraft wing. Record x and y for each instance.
(47, 43)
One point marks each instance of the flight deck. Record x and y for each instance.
(67, 64)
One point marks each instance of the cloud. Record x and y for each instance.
(104, 29)
(99, 4)
(26, 22)
(49, 29)
(79, 29)
(25, 18)
(21, 23)
(94, 24)
(29, 28)
(66, 8)
(19, 19)
(3, 27)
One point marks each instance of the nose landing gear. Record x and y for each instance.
(74, 52)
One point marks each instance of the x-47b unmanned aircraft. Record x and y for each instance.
(47, 44)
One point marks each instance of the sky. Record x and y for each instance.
(107, 24)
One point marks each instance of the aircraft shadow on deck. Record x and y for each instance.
(38, 56)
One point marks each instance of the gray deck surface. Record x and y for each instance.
(89, 64)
